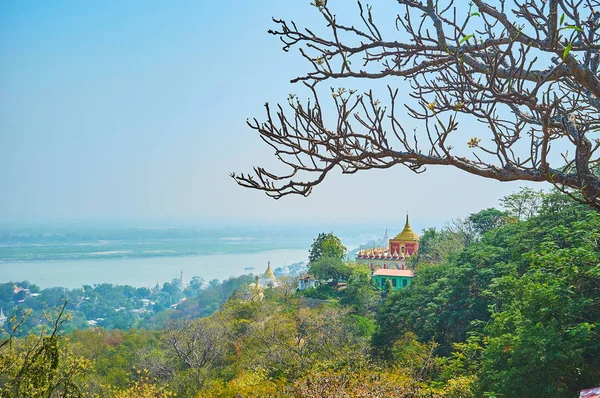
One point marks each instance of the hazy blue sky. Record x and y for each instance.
(136, 110)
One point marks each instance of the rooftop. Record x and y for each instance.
(407, 233)
(394, 272)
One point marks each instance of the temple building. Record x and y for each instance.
(254, 291)
(398, 277)
(268, 277)
(401, 247)
(182, 284)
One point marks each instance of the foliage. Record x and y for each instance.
(513, 313)
(374, 383)
(199, 346)
(442, 300)
(116, 353)
(517, 309)
(523, 204)
(324, 291)
(358, 384)
(250, 384)
(361, 292)
(140, 388)
(41, 365)
(117, 306)
(546, 334)
(437, 246)
(330, 268)
(487, 219)
(211, 298)
(326, 245)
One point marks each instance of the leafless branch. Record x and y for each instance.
(528, 73)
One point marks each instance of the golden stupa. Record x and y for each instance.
(269, 272)
(407, 234)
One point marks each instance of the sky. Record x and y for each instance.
(136, 110)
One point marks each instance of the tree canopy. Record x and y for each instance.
(526, 71)
(326, 245)
(512, 312)
(519, 307)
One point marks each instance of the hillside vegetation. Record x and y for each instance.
(503, 304)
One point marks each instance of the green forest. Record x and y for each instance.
(115, 306)
(504, 303)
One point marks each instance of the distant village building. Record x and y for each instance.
(401, 247)
(18, 289)
(307, 282)
(145, 302)
(174, 306)
(21, 292)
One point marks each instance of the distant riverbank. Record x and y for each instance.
(144, 272)
(72, 255)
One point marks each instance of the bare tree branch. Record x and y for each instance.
(528, 74)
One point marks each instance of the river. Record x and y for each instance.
(147, 271)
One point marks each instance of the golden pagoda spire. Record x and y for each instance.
(407, 233)
(269, 272)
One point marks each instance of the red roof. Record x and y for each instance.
(394, 272)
